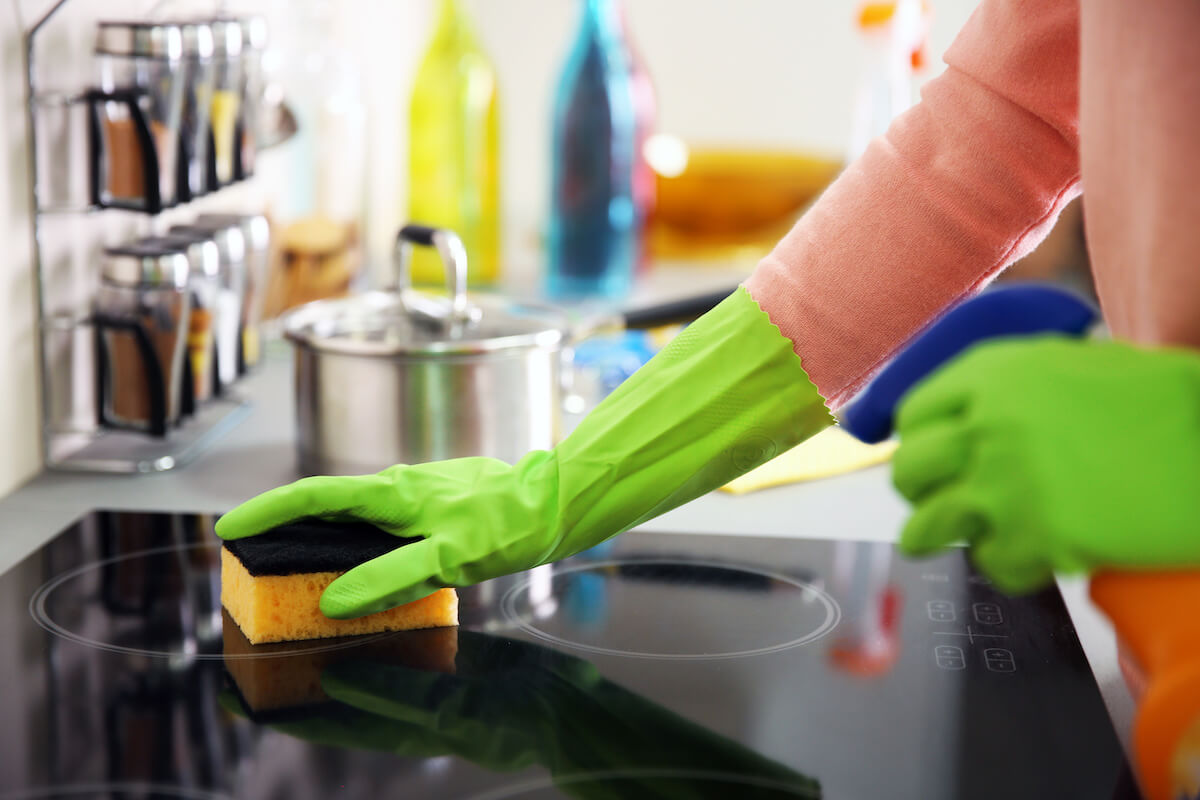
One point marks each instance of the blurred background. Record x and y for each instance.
(586, 151)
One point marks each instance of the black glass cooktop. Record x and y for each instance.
(659, 665)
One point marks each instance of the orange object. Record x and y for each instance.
(1155, 615)
(876, 15)
(870, 654)
(871, 15)
(725, 201)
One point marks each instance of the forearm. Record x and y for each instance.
(962, 185)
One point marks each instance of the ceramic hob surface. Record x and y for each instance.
(656, 666)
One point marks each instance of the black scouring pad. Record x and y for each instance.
(313, 545)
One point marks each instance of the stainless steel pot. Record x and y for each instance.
(404, 377)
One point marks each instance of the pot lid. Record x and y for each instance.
(406, 321)
(395, 323)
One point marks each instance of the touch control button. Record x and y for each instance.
(987, 613)
(940, 611)
(947, 656)
(999, 660)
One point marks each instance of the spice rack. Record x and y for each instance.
(69, 234)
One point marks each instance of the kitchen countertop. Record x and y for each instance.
(258, 455)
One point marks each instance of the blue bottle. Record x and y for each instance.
(594, 233)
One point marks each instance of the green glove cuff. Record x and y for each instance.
(725, 396)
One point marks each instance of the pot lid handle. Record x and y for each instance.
(452, 311)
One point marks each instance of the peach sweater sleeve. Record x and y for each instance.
(964, 183)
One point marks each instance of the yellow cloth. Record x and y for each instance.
(831, 452)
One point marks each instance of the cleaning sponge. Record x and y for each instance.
(271, 584)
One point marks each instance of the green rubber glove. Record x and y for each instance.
(725, 396)
(1052, 455)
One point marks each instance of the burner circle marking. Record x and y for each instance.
(38, 602)
(831, 610)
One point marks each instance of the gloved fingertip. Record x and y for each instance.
(912, 548)
(227, 529)
(340, 601)
(920, 538)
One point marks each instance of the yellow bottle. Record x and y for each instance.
(454, 177)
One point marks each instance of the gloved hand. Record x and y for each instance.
(512, 705)
(1053, 455)
(725, 396)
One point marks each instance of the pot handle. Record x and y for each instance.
(675, 312)
(444, 312)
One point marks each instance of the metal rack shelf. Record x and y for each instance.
(70, 441)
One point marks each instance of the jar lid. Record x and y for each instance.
(254, 33)
(204, 257)
(231, 244)
(159, 40)
(145, 265)
(197, 40)
(383, 324)
(227, 37)
(256, 231)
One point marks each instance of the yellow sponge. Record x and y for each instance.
(276, 608)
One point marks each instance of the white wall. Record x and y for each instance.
(750, 72)
(19, 448)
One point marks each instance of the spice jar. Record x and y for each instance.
(135, 114)
(192, 180)
(141, 320)
(231, 292)
(254, 45)
(226, 97)
(204, 262)
(256, 233)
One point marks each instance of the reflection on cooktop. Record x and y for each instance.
(94, 791)
(653, 783)
(655, 666)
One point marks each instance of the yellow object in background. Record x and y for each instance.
(728, 203)
(454, 174)
(224, 126)
(831, 452)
